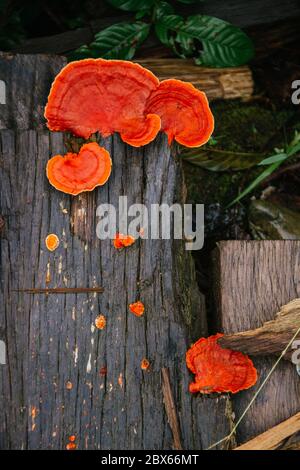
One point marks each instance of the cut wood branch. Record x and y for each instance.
(226, 83)
(275, 437)
(271, 338)
(170, 408)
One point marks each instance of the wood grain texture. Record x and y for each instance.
(51, 339)
(28, 79)
(271, 338)
(252, 281)
(222, 83)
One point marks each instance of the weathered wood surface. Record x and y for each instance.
(252, 281)
(51, 339)
(29, 79)
(275, 437)
(272, 337)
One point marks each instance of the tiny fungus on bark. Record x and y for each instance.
(145, 364)
(217, 369)
(137, 308)
(52, 242)
(107, 96)
(69, 385)
(100, 322)
(71, 446)
(122, 241)
(76, 173)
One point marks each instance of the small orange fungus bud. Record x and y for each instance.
(71, 446)
(137, 308)
(52, 242)
(72, 438)
(100, 322)
(145, 364)
(69, 385)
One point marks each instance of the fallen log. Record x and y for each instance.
(276, 437)
(271, 338)
(225, 83)
(64, 376)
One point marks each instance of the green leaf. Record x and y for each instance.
(214, 159)
(119, 41)
(267, 172)
(163, 9)
(132, 5)
(279, 157)
(223, 45)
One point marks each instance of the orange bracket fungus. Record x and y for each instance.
(120, 96)
(103, 95)
(137, 308)
(75, 173)
(217, 369)
(52, 242)
(184, 112)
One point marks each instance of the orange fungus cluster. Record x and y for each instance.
(122, 241)
(107, 96)
(217, 369)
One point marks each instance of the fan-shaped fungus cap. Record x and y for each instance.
(75, 173)
(103, 95)
(184, 112)
(219, 370)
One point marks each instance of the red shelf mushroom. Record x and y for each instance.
(119, 96)
(184, 112)
(103, 95)
(217, 369)
(75, 173)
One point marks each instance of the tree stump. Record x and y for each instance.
(252, 281)
(63, 376)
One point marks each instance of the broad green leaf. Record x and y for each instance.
(279, 157)
(214, 159)
(221, 43)
(119, 41)
(267, 172)
(132, 5)
(163, 9)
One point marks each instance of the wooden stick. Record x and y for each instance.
(274, 437)
(62, 290)
(271, 338)
(170, 408)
